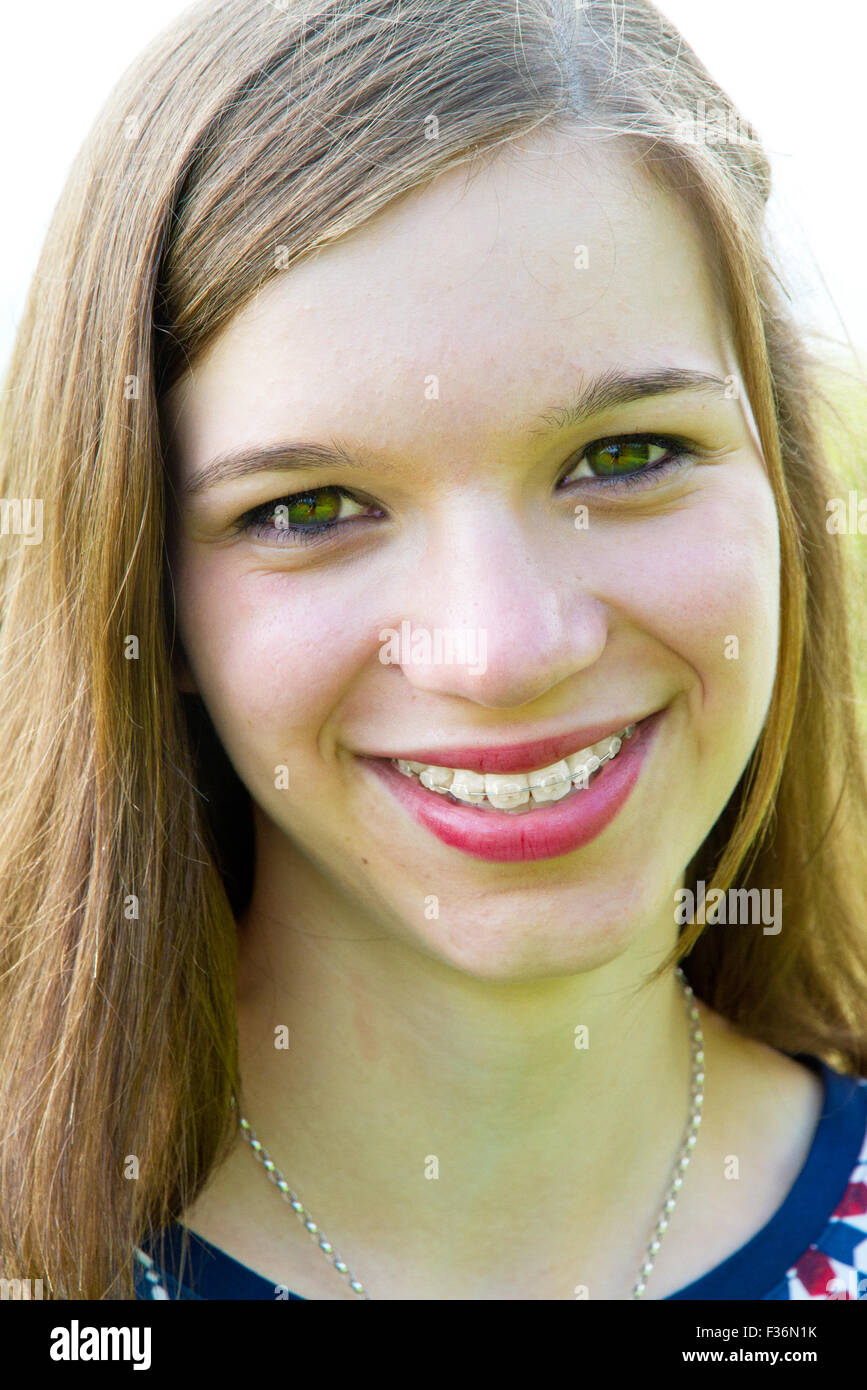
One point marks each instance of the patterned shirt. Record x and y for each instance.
(813, 1247)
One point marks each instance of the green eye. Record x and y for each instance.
(310, 508)
(629, 461)
(303, 517)
(622, 456)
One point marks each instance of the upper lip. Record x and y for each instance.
(516, 757)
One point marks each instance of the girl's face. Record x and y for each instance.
(520, 501)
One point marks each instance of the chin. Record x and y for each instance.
(514, 953)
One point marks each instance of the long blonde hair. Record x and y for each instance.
(245, 137)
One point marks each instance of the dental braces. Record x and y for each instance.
(592, 765)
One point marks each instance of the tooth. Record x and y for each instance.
(468, 786)
(436, 778)
(577, 761)
(551, 783)
(510, 791)
(582, 772)
(506, 792)
(607, 746)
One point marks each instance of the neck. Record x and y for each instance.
(423, 1116)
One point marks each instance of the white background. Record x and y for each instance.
(796, 69)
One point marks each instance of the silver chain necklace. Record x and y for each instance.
(681, 1164)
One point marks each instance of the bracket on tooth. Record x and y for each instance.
(578, 779)
(596, 760)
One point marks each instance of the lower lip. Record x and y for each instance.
(556, 828)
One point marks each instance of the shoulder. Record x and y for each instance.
(797, 1127)
(834, 1264)
(759, 1120)
(761, 1092)
(776, 1202)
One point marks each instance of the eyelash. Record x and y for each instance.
(679, 452)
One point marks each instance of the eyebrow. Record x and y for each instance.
(611, 388)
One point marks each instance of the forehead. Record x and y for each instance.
(492, 287)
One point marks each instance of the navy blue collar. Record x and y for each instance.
(752, 1272)
(758, 1267)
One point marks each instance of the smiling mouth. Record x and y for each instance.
(518, 794)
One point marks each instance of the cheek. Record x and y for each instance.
(706, 579)
(270, 653)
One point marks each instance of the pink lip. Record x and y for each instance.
(513, 757)
(556, 828)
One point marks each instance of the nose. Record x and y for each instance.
(500, 614)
